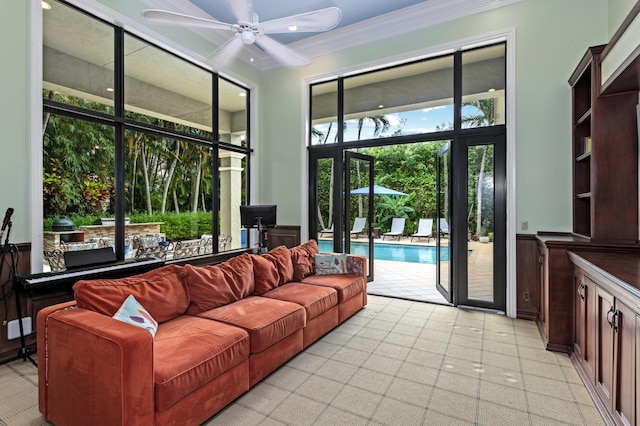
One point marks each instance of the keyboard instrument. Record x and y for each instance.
(69, 277)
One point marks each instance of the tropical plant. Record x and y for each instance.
(391, 207)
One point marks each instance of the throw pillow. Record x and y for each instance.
(265, 274)
(281, 257)
(132, 312)
(162, 291)
(334, 263)
(302, 259)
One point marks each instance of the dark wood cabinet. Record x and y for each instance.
(584, 343)
(283, 235)
(606, 345)
(605, 156)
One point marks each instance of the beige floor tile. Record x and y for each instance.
(234, 415)
(371, 381)
(503, 396)
(357, 401)
(409, 391)
(457, 383)
(338, 371)
(290, 411)
(333, 417)
(453, 404)
(287, 378)
(263, 398)
(491, 414)
(320, 389)
(382, 364)
(393, 412)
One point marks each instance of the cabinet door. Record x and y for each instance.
(585, 323)
(624, 364)
(637, 363)
(604, 345)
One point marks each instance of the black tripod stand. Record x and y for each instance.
(24, 352)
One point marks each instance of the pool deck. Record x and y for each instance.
(417, 281)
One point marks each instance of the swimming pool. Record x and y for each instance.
(396, 252)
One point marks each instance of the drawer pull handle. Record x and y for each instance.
(581, 288)
(611, 318)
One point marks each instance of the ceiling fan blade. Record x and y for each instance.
(242, 10)
(174, 18)
(282, 53)
(228, 50)
(316, 21)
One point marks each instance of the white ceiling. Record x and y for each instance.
(363, 21)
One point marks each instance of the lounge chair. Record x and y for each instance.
(328, 230)
(425, 229)
(358, 226)
(397, 228)
(444, 227)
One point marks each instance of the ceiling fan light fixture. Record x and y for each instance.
(248, 37)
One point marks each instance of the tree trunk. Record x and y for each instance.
(479, 192)
(169, 178)
(147, 189)
(196, 186)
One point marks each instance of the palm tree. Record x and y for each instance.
(484, 117)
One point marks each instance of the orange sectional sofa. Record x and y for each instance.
(220, 330)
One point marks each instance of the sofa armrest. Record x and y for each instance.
(93, 369)
(357, 265)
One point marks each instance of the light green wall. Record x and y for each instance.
(551, 37)
(14, 116)
(618, 11)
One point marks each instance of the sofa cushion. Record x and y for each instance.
(189, 352)
(162, 291)
(265, 274)
(347, 285)
(281, 257)
(315, 299)
(132, 312)
(302, 257)
(331, 263)
(217, 285)
(266, 320)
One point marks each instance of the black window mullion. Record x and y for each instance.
(119, 130)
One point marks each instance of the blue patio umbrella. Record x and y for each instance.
(377, 190)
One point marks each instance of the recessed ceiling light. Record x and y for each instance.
(381, 106)
(109, 89)
(242, 94)
(45, 5)
(492, 90)
(293, 28)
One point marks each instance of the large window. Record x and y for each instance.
(136, 138)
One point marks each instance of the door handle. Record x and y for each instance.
(581, 288)
(611, 318)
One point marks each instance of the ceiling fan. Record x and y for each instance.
(249, 30)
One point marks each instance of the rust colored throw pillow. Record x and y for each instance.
(162, 291)
(218, 285)
(302, 257)
(265, 274)
(281, 258)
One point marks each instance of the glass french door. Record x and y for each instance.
(444, 280)
(471, 222)
(342, 211)
(484, 267)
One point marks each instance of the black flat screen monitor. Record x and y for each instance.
(249, 216)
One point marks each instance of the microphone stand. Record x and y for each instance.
(24, 352)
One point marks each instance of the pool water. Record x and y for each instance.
(395, 252)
